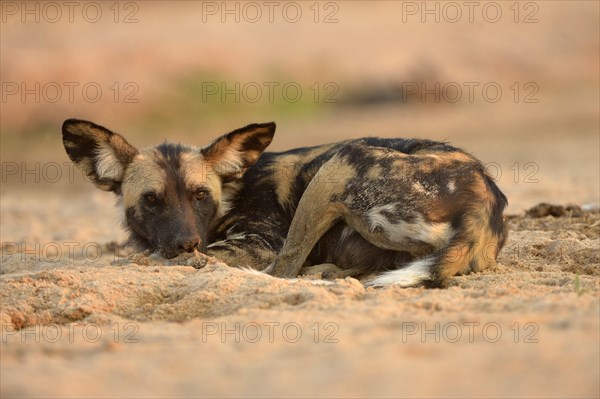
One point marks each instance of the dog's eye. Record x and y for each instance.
(200, 194)
(150, 198)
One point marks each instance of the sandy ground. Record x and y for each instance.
(79, 320)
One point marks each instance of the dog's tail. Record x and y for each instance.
(479, 234)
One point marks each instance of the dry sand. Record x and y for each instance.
(78, 325)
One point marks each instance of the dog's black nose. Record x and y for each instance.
(188, 243)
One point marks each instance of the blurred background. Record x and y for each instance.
(515, 83)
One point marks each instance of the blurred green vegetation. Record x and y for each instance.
(190, 103)
(207, 97)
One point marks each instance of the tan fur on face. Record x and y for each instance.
(145, 174)
(197, 172)
(142, 175)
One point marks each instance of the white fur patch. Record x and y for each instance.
(229, 162)
(416, 272)
(436, 234)
(239, 236)
(451, 186)
(108, 165)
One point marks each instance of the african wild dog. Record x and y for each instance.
(391, 211)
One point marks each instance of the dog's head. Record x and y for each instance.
(171, 193)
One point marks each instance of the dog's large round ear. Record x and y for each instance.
(230, 155)
(100, 154)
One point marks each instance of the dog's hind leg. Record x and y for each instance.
(317, 211)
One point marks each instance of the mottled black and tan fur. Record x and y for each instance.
(389, 211)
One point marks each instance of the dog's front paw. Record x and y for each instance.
(195, 259)
(277, 270)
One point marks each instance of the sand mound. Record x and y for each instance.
(141, 293)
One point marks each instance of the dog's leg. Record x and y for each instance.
(317, 212)
(243, 251)
(310, 222)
